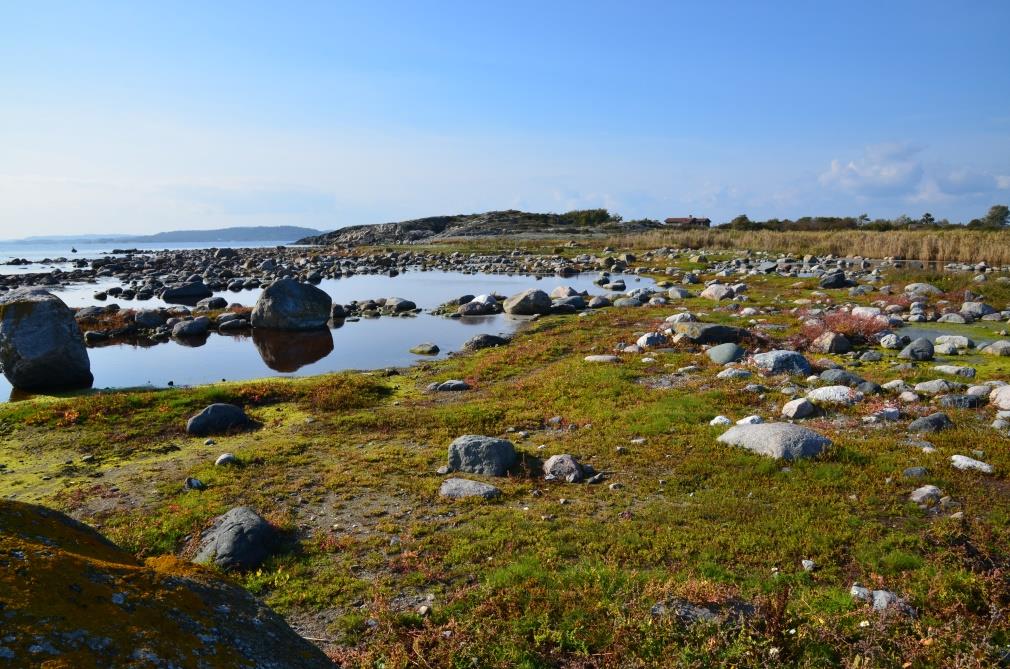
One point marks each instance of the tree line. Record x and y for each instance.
(997, 218)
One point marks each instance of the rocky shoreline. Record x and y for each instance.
(727, 408)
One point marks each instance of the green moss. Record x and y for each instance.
(345, 465)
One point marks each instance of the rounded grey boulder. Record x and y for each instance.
(708, 333)
(217, 418)
(564, 467)
(920, 349)
(528, 303)
(725, 353)
(463, 488)
(399, 304)
(451, 386)
(782, 362)
(239, 539)
(934, 422)
(41, 346)
(194, 290)
(477, 454)
(289, 305)
(149, 318)
(484, 341)
(197, 327)
(783, 441)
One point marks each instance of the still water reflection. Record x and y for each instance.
(365, 344)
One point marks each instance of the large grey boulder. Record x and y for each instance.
(564, 467)
(841, 377)
(934, 422)
(798, 408)
(831, 342)
(197, 327)
(961, 401)
(602, 358)
(149, 318)
(462, 488)
(717, 291)
(957, 341)
(922, 289)
(834, 279)
(919, 349)
(834, 395)
(964, 463)
(1000, 397)
(484, 341)
(976, 309)
(216, 419)
(187, 292)
(450, 386)
(782, 362)
(725, 353)
(709, 333)
(783, 441)
(239, 539)
(528, 303)
(41, 346)
(927, 495)
(477, 454)
(212, 303)
(127, 613)
(1001, 348)
(477, 308)
(399, 304)
(289, 305)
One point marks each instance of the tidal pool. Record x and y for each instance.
(365, 344)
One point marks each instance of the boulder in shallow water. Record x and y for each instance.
(528, 303)
(41, 346)
(188, 292)
(289, 305)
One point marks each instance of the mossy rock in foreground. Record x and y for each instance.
(71, 598)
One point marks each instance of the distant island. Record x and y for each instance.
(276, 233)
(488, 224)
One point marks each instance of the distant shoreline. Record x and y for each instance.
(234, 235)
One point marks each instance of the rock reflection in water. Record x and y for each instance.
(290, 351)
(192, 342)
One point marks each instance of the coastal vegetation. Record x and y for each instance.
(692, 553)
(954, 244)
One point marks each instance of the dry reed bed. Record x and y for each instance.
(973, 246)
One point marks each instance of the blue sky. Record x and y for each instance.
(136, 117)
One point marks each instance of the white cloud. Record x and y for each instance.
(897, 172)
(965, 181)
(886, 170)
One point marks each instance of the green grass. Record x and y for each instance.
(345, 466)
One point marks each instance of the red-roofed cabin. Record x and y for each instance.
(689, 222)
